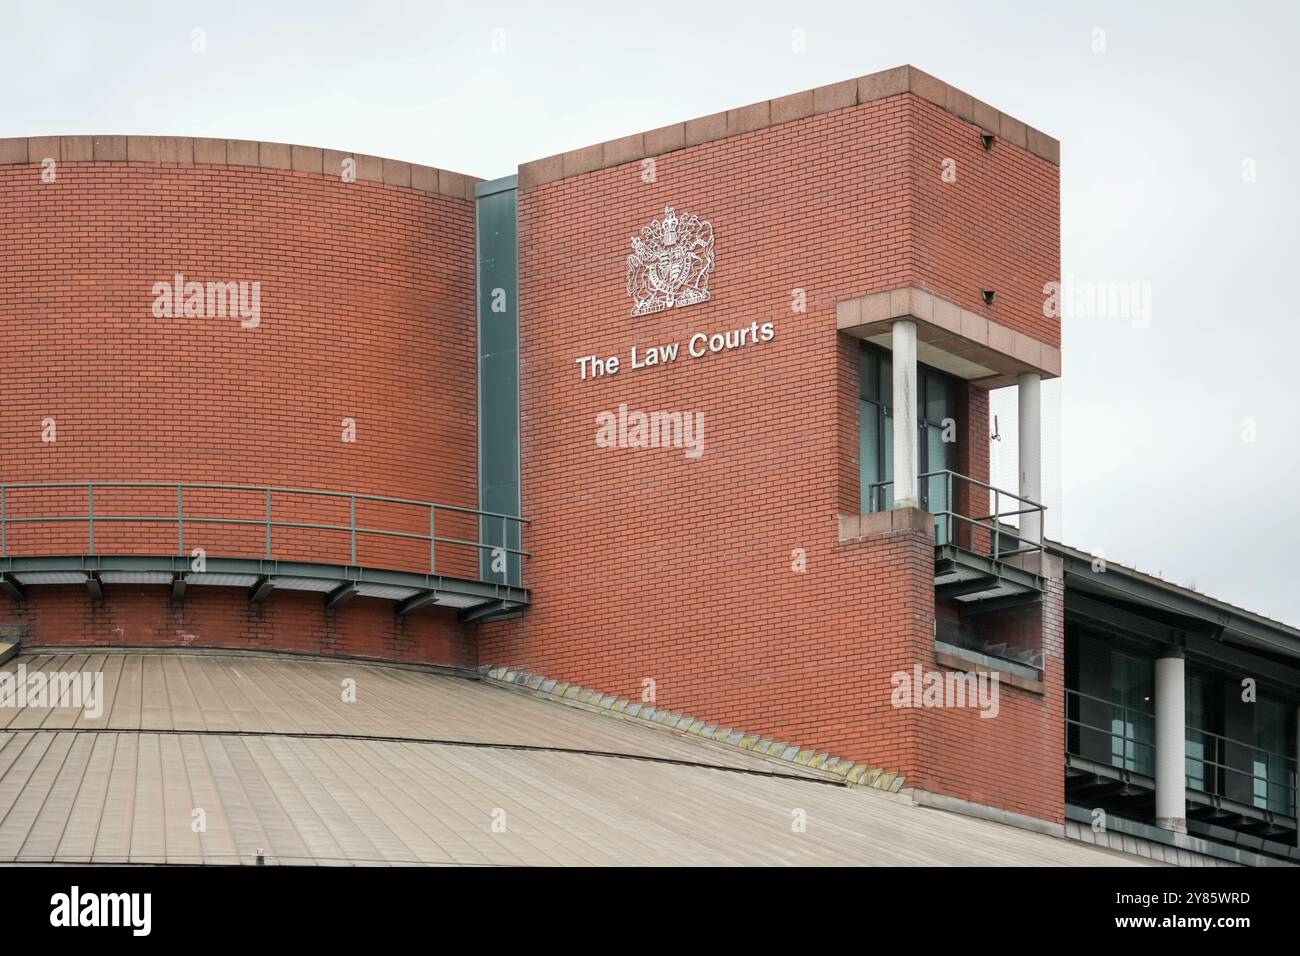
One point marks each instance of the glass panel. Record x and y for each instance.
(889, 458)
(869, 374)
(1271, 768)
(869, 456)
(938, 397)
(1132, 724)
(935, 403)
(1198, 743)
(936, 487)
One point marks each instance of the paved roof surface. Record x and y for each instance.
(416, 771)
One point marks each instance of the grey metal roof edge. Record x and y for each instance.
(1189, 843)
(982, 811)
(1140, 588)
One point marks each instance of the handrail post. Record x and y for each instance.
(4, 524)
(950, 532)
(1129, 740)
(354, 529)
(90, 513)
(268, 524)
(997, 525)
(180, 520)
(433, 536)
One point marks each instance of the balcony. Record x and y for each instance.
(981, 559)
(1236, 791)
(262, 539)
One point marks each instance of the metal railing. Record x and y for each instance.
(484, 520)
(1273, 789)
(948, 519)
(1134, 752)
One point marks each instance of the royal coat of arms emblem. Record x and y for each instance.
(670, 263)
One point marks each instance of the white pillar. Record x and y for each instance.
(1171, 743)
(1031, 457)
(906, 459)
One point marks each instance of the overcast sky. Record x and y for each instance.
(1179, 131)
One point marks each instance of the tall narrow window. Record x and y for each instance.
(1273, 769)
(876, 429)
(1202, 753)
(937, 448)
(1132, 722)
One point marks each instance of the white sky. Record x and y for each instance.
(1154, 133)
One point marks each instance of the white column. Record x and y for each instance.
(1171, 743)
(1031, 457)
(906, 459)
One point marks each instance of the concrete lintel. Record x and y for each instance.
(955, 340)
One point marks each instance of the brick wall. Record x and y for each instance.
(650, 566)
(722, 579)
(367, 313)
(222, 617)
(1015, 760)
(367, 302)
(996, 226)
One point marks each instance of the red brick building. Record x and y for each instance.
(288, 398)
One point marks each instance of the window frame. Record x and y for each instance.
(883, 411)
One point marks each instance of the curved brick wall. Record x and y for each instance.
(366, 312)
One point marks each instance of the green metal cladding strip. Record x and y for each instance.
(497, 250)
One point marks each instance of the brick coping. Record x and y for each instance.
(202, 151)
(193, 150)
(785, 109)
